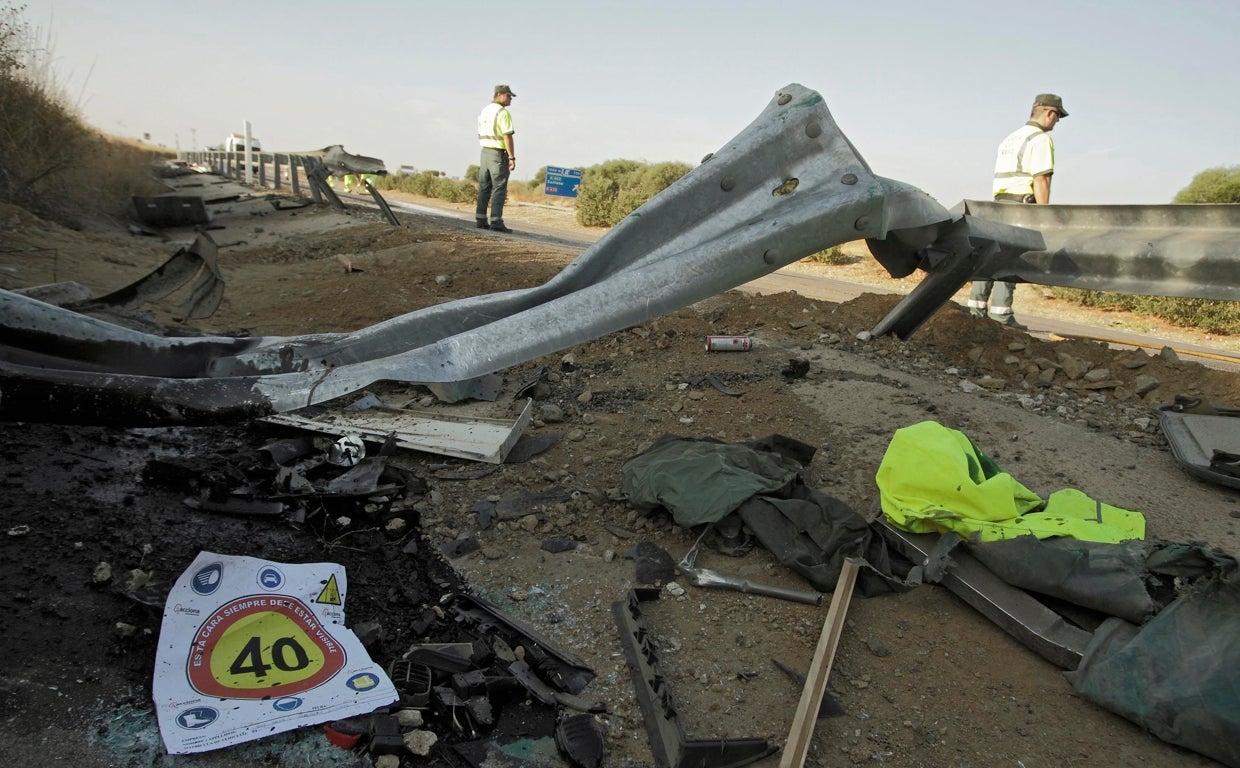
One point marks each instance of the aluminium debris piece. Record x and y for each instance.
(1013, 610)
(476, 438)
(704, 577)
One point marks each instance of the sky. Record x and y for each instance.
(924, 90)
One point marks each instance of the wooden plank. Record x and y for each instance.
(820, 669)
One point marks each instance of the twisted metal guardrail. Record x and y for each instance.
(789, 185)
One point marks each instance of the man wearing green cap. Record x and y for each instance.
(1023, 170)
(499, 158)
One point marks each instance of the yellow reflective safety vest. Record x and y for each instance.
(1027, 151)
(493, 122)
(933, 479)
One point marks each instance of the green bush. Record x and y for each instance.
(1206, 315)
(431, 184)
(1216, 185)
(614, 189)
(833, 256)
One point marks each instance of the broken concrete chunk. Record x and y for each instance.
(1074, 368)
(1144, 384)
(419, 742)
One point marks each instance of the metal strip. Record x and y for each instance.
(1013, 610)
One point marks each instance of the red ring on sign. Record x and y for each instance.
(201, 679)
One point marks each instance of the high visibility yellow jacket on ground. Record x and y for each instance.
(933, 479)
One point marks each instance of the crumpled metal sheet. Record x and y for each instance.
(788, 185)
(200, 259)
(340, 163)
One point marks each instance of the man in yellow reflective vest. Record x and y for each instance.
(499, 158)
(1023, 170)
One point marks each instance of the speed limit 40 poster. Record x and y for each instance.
(250, 648)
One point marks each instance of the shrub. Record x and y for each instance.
(833, 256)
(1215, 185)
(1208, 315)
(613, 190)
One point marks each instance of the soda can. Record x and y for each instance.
(728, 343)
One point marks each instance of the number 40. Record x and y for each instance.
(287, 655)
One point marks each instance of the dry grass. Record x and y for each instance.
(51, 162)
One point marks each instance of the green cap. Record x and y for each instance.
(504, 89)
(1052, 101)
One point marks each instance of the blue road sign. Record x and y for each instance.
(562, 182)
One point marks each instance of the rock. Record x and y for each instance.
(1169, 355)
(387, 761)
(368, 632)
(585, 397)
(1074, 368)
(1097, 374)
(409, 718)
(550, 413)
(1145, 384)
(530, 523)
(420, 742)
(102, 574)
(395, 526)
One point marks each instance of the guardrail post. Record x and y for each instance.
(262, 170)
(293, 173)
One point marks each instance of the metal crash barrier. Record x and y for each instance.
(789, 185)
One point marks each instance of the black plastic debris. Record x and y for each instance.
(667, 735)
(654, 564)
(581, 740)
(412, 680)
(529, 446)
(385, 737)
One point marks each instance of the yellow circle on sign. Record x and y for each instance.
(265, 647)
